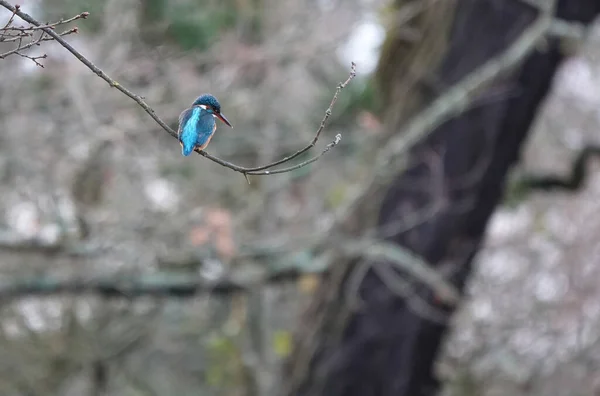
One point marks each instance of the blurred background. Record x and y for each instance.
(92, 187)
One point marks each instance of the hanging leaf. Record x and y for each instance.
(282, 343)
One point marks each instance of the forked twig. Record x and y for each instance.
(21, 34)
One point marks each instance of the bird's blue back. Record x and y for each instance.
(196, 127)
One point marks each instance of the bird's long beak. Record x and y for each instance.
(223, 118)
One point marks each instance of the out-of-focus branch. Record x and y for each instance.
(257, 171)
(319, 131)
(20, 34)
(188, 285)
(408, 262)
(166, 284)
(12, 241)
(572, 30)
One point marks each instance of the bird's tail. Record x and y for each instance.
(186, 149)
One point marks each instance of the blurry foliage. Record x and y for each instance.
(282, 343)
(190, 24)
(336, 195)
(42, 84)
(464, 384)
(223, 356)
(198, 31)
(305, 171)
(57, 9)
(153, 10)
(308, 283)
(362, 95)
(516, 192)
(185, 171)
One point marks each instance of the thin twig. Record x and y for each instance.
(34, 59)
(331, 145)
(10, 21)
(13, 33)
(27, 29)
(321, 126)
(42, 38)
(257, 171)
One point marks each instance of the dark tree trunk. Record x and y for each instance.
(388, 346)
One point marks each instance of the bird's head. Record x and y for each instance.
(212, 105)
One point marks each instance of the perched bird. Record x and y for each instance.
(197, 124)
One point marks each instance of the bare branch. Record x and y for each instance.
(27, 29)
(407, 261)
(321, 127)
(19, 34)
(257, 171)
(20, 48)
(10, 21)
(331, 145)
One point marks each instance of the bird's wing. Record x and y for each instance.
(183, 119)
(205, 128)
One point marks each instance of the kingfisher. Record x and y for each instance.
(197, 124)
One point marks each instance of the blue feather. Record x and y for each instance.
(205, 128)
(187, 127)
(196, 126)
